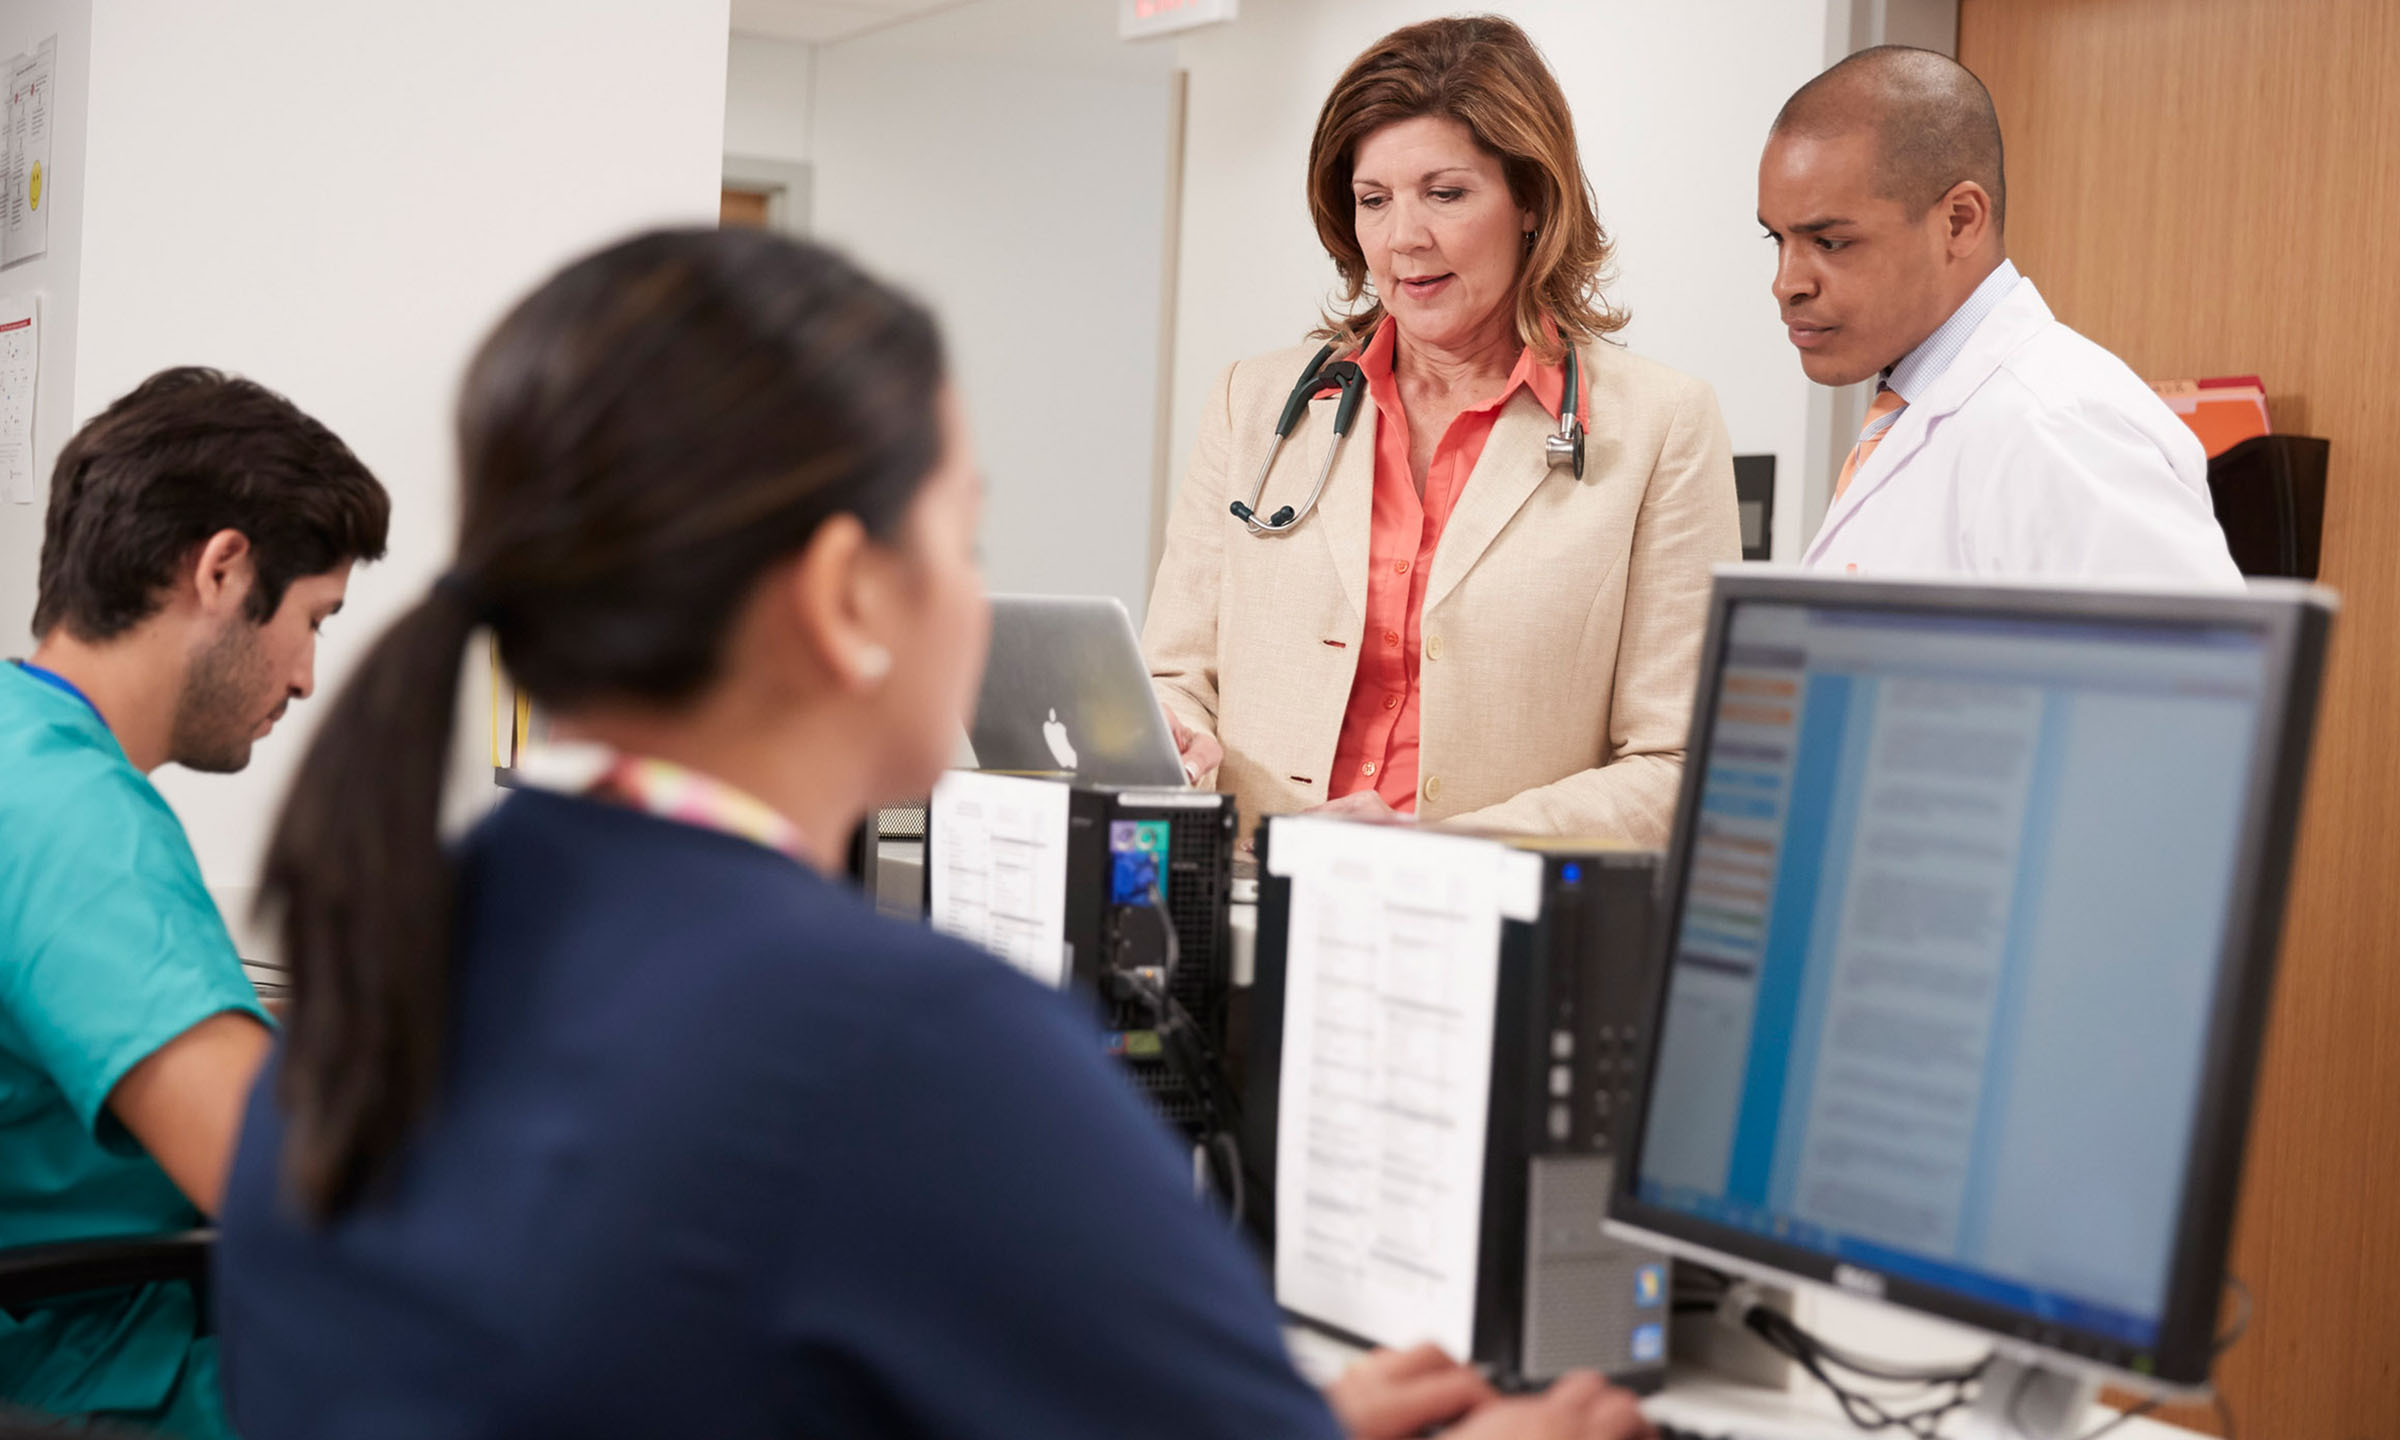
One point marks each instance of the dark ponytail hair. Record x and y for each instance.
(640, 441)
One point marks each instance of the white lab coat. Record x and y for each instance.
(2037, 454)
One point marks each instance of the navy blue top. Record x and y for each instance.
(722, 1153)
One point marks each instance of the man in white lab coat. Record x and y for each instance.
(1999, 442)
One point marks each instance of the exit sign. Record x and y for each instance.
(1142, 19)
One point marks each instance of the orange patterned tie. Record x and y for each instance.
(1879, 424)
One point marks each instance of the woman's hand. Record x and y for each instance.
(1392, 1394)
(1359, 805)
(1578, 1406)
(1201, 753)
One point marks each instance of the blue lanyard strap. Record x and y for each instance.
(61, 683)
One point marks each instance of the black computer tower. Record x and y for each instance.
(1136, 858)
(1576, 991)
(1148, 878)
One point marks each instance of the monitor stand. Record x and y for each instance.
(2025, 1401)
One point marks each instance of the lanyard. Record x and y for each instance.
(60, 682)
(659, 787)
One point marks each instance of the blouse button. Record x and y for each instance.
(1399, 567)
(1391, 637)
(1367, 769)
(1391, 702)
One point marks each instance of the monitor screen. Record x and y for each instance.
(1945, 955)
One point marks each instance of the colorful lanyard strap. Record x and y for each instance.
(662, 788)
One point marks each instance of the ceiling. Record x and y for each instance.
(821, 21)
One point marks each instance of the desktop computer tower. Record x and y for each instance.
(1575, 989)
(1131, 888)
(1144, 866)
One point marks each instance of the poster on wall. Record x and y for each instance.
(20, 357)
(25, 221)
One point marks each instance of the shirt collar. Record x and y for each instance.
(659, 787)
(1546, 382)
(1921, 368)
(61, 684)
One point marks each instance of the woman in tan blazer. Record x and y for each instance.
(1461, 627)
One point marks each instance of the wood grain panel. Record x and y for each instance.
(2211, 187)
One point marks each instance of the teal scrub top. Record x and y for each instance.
(109, 948)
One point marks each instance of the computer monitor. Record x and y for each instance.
(1969, 929)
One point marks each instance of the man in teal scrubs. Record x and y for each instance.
(199, 532)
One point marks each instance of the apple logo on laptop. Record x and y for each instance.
(1061, 749)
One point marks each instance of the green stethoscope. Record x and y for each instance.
(1564, 448)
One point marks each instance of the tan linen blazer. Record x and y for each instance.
(1562, 621)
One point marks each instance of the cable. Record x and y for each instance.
(1893, 1375)
(1185, 1051)
(2224, 1342)
(1741, 1300)
(2124, 1418)
(1230, 1155)
(1868, 1412)
(1174, 942)
(2241, 1321)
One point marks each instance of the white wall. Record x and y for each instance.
(1007, 161)
(52, 277)
(1672, 104)
(770, 93)
(338, 200)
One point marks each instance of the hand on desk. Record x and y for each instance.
(1202, 754)
(1393, 1394)
(1578, 1406)
(1359, 805)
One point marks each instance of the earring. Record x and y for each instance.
(873, 662)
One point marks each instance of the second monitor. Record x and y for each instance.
(1971, 923)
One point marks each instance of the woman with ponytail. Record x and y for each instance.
(620, 1117)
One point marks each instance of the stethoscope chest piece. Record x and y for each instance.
(1566, 447)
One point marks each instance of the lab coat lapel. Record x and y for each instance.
(2016, 319)
(1512, 466)
(1345, 517)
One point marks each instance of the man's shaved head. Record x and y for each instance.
(1932, 120)
(1880, 187)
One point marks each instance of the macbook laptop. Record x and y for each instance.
(1066, 692)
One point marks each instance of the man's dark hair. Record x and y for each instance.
(1934, 123)
(189, 453)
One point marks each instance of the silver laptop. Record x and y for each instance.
(1066, 692)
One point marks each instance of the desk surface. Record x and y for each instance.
(1709, 1403)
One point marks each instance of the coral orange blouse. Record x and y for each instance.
(1377, 749)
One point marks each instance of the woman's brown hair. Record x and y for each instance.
(1484, 73)
(640, 441)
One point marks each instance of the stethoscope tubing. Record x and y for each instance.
(1563, 448)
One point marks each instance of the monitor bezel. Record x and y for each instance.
(2295, 620)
